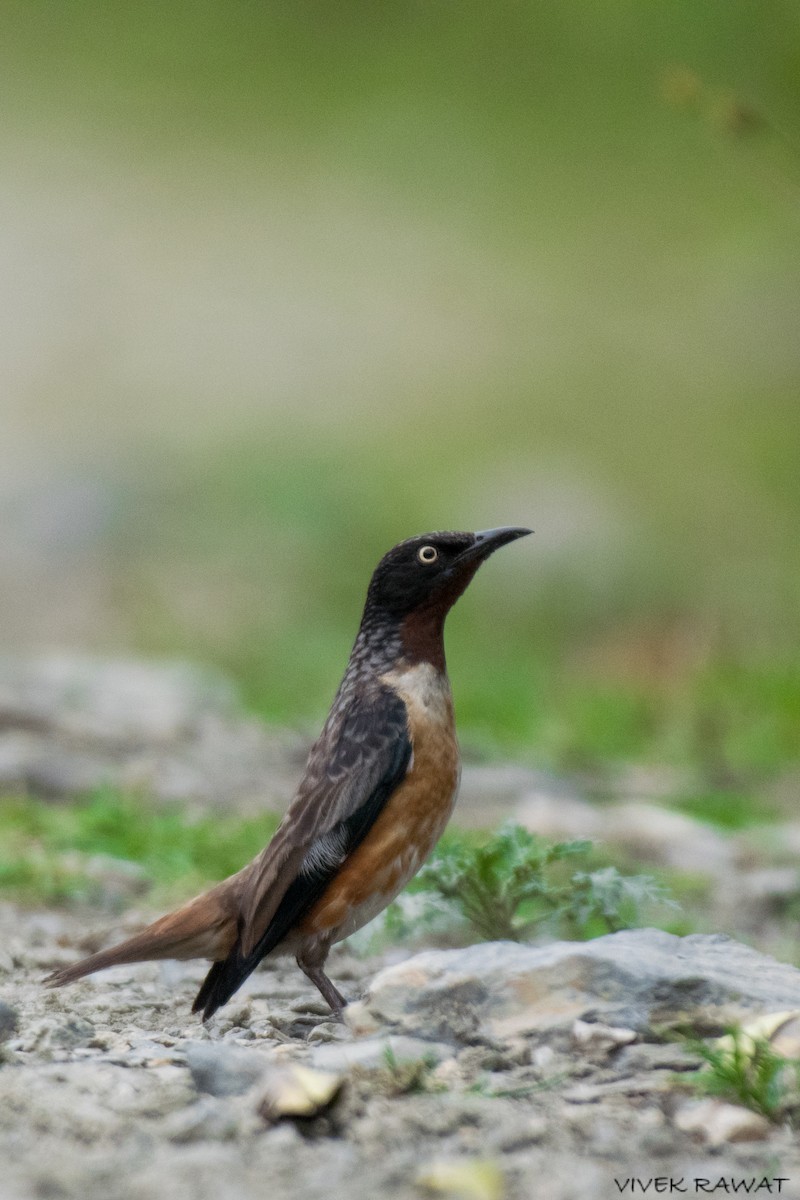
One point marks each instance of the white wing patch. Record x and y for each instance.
(327, 852)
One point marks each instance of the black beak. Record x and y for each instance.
(489, 540)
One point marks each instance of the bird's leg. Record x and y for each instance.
(311, 966)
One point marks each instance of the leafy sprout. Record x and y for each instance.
(748, 1070)
(514, 884)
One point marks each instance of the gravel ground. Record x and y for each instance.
(110, 1089)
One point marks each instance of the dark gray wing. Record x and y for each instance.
(361, 756)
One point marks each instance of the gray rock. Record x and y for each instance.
(115, 881)
(58, 1033)
(646, 831)
(641, 979)
(227, 761)
(775, 844)
(661, 835)
(89, 1100)
(224, 1070)
(522, 1132)
(490, 794)
(599, 1041)
(374, 1053)
(559, 817)
(640, 781)
(328, 1031)
(176, 732)
(118, 700)
(768, 888)
(9, 1021)
(716, 1122)
(17, 750)
(63, 1103)
(209, 1119)
(54, 771)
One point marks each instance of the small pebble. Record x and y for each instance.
(716, 1122)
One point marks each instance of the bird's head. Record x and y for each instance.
(420, 579)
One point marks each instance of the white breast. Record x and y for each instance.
(425, 691)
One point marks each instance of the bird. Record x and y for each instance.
(377, 791)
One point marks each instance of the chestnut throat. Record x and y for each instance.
(422, 637)
(422, 630)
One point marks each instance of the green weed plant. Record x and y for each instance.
(748, 1070)
(516, 885)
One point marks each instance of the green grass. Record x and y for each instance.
(729, 810)
(42, 846)
(745, 1069)
(507, 885)
(546, 668)
(563, 195)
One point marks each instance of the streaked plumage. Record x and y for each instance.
(377, 791)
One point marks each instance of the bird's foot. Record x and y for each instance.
(327, 989)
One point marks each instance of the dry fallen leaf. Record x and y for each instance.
(468, 1178)
(296, 1091)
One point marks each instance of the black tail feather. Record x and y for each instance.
(207, 986)
(222, 981)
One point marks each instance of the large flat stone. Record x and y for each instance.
(640, 979)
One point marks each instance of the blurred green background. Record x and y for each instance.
(285, 283)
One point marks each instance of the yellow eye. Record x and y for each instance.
(428, 555)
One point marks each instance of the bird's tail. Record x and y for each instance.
(203, 928)
(227, 976)
(222, 980)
